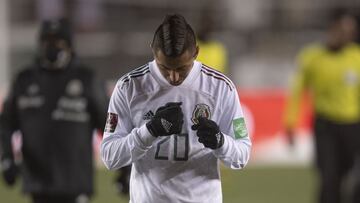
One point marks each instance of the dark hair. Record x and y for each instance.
(337, 14)
(174, 36)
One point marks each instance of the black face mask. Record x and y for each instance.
(52, 53)
(54, 57)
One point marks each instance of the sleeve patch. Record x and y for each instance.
(111, 122)
(239, 126)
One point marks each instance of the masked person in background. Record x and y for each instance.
(56, 104)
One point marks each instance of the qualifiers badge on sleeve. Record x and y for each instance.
(111, 122)
(239, 128)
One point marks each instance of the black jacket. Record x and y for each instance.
(56, 113)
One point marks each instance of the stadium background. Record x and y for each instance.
(262, 38)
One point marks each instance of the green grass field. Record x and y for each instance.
(252, 185)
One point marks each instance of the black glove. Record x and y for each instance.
(167, 120)
(209, 133)
(9, 171)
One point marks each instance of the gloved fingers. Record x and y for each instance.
(207, 138)
(208, 143)
(202, 120)
(204, 133)
(199, 127)
(201, 139)
(175, 109)
(178, 128)
(207, 123)
(10, 175)
(195, 127)
(160, 109)
(172, 109)
(170, 104)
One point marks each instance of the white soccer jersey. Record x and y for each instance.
(174, 168)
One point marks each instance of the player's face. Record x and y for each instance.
(55, 52)
(343, 31)
(348, 28)
(175, 69)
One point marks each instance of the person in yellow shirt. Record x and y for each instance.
(213, 53)
(331, 73)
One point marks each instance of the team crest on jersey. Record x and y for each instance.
(111, 122)
(33, 89)
(200, 110)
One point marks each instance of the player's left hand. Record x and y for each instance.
(9, 171)
(209, 133)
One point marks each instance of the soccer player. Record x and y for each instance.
(174, 119)
(56, 104)
(331, 72)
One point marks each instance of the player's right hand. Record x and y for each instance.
(167, 120)
(9, 171)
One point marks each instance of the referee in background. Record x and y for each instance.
(330, 71)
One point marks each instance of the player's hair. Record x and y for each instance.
(336, 14)
(174, 36)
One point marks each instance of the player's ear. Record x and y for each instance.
(196, 51)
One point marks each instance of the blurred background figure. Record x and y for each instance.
(213, 53)
(56, 103)
(330, 71)
(122, 180)
(87, 16)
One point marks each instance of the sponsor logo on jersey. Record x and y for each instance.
(148, 116)
(239, 128)
(25, 102)
(111, 122)
(200, 110)
(32, 98)
(72, 106)
(71, 109)
(74, 87)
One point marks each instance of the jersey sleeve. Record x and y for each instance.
(8, 123)
(298, 86)
(98, 103)
(235, 152)
(123, 143)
